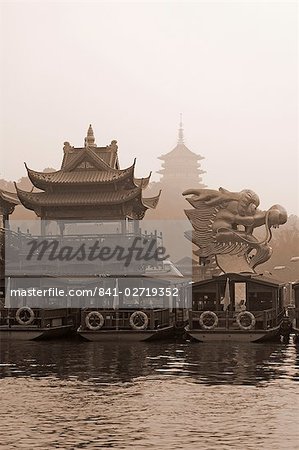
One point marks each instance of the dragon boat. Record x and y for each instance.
(237, 307)
(27, 324)
(130, 325)
(141, 310)
(238, 304)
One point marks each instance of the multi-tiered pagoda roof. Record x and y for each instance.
(89, 186)
(181, 166)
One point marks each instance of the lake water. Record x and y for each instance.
(84, 395)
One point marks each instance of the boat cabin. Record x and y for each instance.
(236, 302)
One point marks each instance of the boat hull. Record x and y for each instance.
(234, 335)
(125, 335)
(21, 333)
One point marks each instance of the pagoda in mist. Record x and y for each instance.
(181, 168)
(90, 186)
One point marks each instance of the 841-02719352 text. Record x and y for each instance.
(96, 292)
(140, 292)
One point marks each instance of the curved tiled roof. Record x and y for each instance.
(41, 180)
(152, 201)
(31, 199)
(9, 197)
(35, 200)
(89, 177)
(142, 182)
(182, 152)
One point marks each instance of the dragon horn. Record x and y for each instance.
(192, 191)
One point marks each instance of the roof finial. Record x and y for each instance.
(90, 140)
(181, 131)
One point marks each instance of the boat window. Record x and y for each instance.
(204, 302)
(259, 301)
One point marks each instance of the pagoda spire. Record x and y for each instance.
(90, 139)
(181, 131)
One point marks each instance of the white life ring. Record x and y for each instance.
(94, 320)
(212, 319)
(141, 317)
(25, 315)
(242, 315)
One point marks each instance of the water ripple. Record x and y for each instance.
(75, 395)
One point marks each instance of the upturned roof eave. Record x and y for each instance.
(41, 179)
(180, 148)
(151, 202)
(30, 199)
(143, 182)
(9, 197)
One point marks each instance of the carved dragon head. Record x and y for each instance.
(223, 224)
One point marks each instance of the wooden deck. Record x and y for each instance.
(267, 327)
(46, 324)
(117, 325)
(269, 318)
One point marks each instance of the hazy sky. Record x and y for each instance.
(131, 68)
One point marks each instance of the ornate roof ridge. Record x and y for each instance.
(90, 152)
(42, 179)
(31, 199)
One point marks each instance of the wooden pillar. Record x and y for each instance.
(124, 226)
(61, 227)
(6, 220)
(42, 227)
(136, 227)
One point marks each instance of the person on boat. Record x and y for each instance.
(241, 306)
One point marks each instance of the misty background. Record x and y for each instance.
(131, 68)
